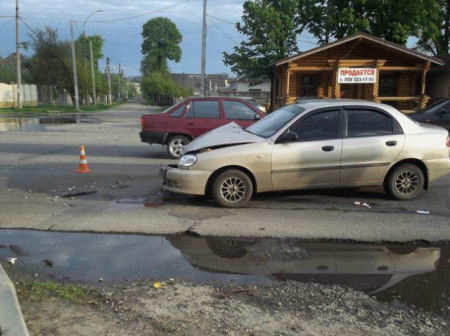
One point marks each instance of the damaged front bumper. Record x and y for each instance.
(184, 181)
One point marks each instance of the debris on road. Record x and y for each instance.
(48, 262)
(11, 261)
(362, 204)
(83, 193)
(119, 185)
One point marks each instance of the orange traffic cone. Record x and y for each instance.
(83, 167)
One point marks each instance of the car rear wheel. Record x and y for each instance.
(405, 182)
(232, 189)
(176, 145)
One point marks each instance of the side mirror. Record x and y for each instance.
(290, 137)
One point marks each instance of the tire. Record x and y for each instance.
(232, 189)
(405, 182)
(227, 248)
(175, 145)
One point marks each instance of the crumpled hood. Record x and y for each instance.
(229, 134)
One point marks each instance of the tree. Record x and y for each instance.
(51, 64)
(82, 43)
(327, 19)
(161, 41)
(435, 37)
(7, 73)
(394, 21)
(271, 35)
(158, 84)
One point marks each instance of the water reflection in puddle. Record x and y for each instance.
(14, 124)
(404, 275)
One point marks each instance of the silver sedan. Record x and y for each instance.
(313, 144)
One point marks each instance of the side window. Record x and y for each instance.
(178, 112)
(362, 123)
(238, 110)
(204, 109)
(320, 126)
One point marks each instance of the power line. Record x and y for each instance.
(233, 23)
(136, 16)
(209, 17)
(31, 29)
(7, 23)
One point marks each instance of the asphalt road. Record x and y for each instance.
(38, 168)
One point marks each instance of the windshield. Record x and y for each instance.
(436, 106)
(272, 123)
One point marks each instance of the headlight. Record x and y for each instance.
(187, 160)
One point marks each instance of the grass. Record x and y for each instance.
(41, 291)
(58, 108)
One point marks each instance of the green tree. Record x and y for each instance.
(51, 64)
(7, 73)
(331, 19)
(82, 43)
(394, 21)
(158, 84)
(271, 35)
(151, 64)
(161, 42)
(435, 37)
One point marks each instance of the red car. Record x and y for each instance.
(180, 124)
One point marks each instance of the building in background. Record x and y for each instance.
(359, 66)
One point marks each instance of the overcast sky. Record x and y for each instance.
(121, 22)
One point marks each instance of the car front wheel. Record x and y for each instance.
(176, 145)
(232, 189)
(405, 182)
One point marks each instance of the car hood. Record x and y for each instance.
(229, 134)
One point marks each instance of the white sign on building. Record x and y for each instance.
(357, 75)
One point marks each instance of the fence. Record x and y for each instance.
(8, 95)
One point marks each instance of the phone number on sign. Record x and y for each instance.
(358, 80)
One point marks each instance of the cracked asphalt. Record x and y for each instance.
(123, 192)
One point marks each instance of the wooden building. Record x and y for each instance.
(359, 66)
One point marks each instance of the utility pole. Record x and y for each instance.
(75, 76)
(203, 79)
(108, 80)
(19, 74)
(93, 75)
(120, 83)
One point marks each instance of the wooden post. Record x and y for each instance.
(424, 98)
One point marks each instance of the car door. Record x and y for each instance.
(372, 140)
(313, 160)
(239, 112)
(203, 116)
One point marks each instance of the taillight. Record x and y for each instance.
(447, 143)
(143, 123)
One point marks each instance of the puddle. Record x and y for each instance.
(404, 275)
(14, 124)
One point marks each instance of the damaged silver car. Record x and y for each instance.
(313, 144)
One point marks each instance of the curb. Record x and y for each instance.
(11, 319)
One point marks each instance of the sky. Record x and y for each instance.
(120, 24)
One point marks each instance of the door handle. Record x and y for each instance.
(391, 143)
(328, 148)
(190, 124)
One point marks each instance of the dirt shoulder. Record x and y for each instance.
(179, 307)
